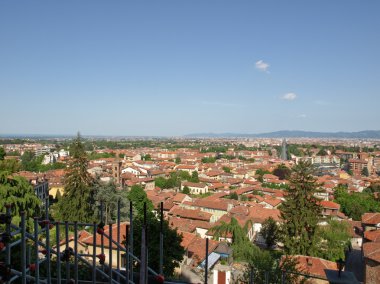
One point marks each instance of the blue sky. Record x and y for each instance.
(179, 67)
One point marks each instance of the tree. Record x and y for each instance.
(365, 172)
(282, 171)
(234, 196)
(264, 265)
(194, 177)
(18, 192)
(354, 205)
(173, 251)
(77, 201)
(322, 152)
(10, 165)
(334, 239)
(242, 246)
(108, 196)
(2, 153)
(226, 169)
(300, 212)
(269, 231)
(186, 190)
(138, 197)
(178, 160)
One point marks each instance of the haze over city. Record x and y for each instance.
(180, 67)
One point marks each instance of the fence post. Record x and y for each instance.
(23, 248)
(161, 237)
(110, 253)
(57, 237)
(36, 252)
(206, 263)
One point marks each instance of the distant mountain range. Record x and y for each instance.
(366, 134)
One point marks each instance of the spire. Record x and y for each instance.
(284, 154)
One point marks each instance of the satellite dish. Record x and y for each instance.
(378, 225)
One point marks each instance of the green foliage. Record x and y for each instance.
(32, 163)
(138, 196)
(274, 185)
(300, 212)
(234, 195)
(10, 165)
(322, 152)
(186, 190)
(96, 156)
(354, 205)
(214, 149)
(194, 177)
(261, 173)
(365, 172)
(175, 179)
(20, 194)
(282, 172)
(109, 196)
(241, 245)
(77, 201)
(147, 157)
(226, 169)
(173, 251)
(172, 241)
(2, 153)
(294, 149)
(334, 239)
(270, 232)
(178, 160)
(12, 153)
(208, 160)
(264, 265)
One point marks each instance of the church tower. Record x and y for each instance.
(116, 170)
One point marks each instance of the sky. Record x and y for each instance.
(170, 68)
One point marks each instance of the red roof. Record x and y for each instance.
(329, 205)
(314, 265)
(371, 218)
(371, 250)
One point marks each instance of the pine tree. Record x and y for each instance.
(77, 201)
(301, 211)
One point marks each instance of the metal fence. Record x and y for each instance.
(28, 256)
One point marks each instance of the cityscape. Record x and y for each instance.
(189, 142)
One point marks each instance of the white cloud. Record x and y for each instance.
(289, 96)
(262, 66)
(302, 115)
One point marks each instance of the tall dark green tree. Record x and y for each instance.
(18, 192)
(2, 153)
(173, 251)
(301, 211)
(281, 171)
(77, 201)
(269, 231)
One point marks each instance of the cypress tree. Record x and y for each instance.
(301, 211)
(77, 201)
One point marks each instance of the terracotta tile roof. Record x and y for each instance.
(193, 184)
(371, 218)
(329, 205)
(197, 249)
(179, 197)
(87, 237)
(259, 214)
(371, 250)
(190, 214)
(373, 236)
(314, 265)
